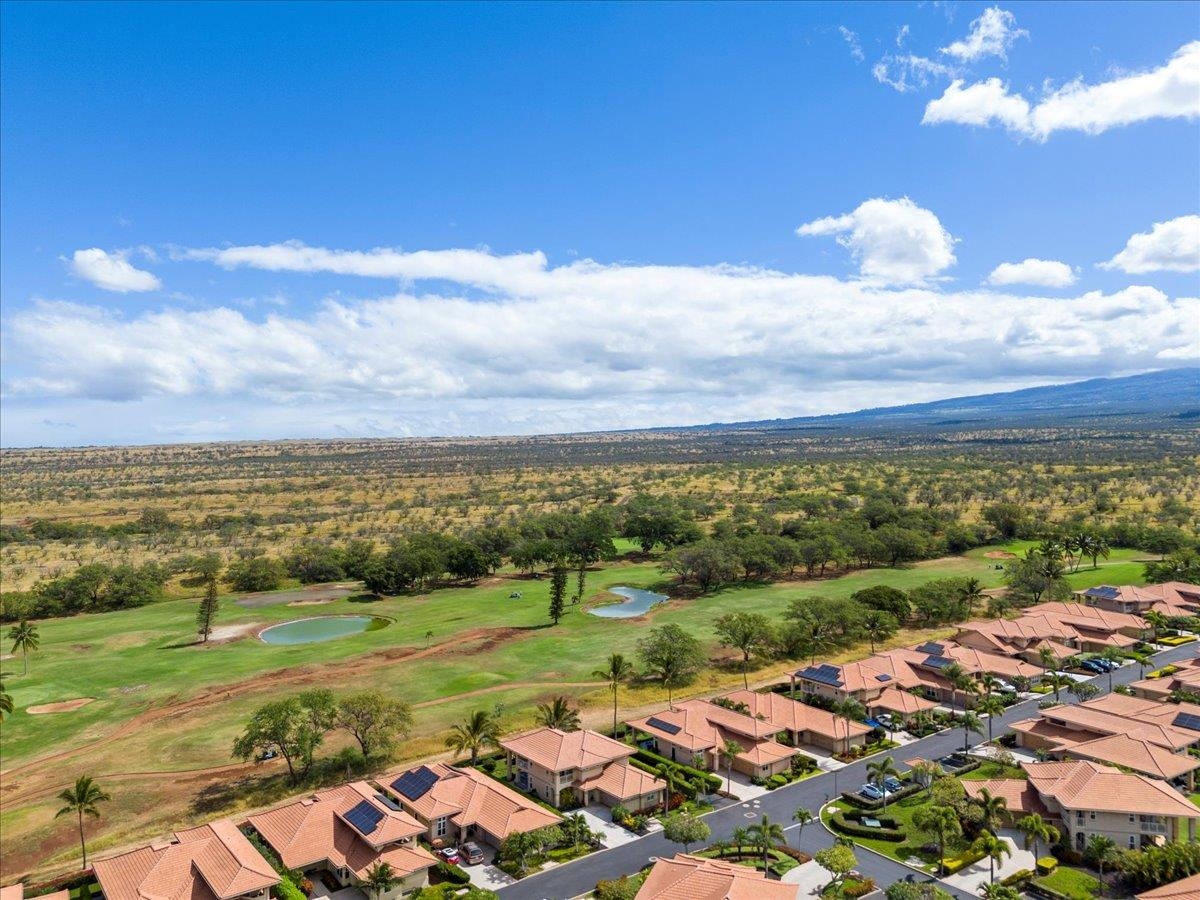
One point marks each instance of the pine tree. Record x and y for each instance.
(208, 609)
(558, 592)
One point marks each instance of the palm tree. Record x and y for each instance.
(1057, 680)
(992, 808)
(994, 848)
(82, 799)
(940, 821)
(1036, 831)
(1048, 659)
(1156, 620)
(766, 834)
(618, 671)
(876, 624)
(477, 731)
(995, 891)
(849, 710)
(954, 673)
(803, 817)
(881, 771)
(989, 682)
(6, 701)
(559, 714)
(666, 772)
(729, 752)
(970, 594)
(1112, 655)
(969, 722)
(740, 837)
(991, 707)
(24, 636)
(381, 878)
(1100, 849)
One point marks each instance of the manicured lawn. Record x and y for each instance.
(1074, 883)
(991, 770)
(902, 811)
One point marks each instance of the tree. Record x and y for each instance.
(558, 713)
(941, 823)
(710, 563)
(992, 808)
(729, 752)
(672, 655)
(374, 720)
(666, 771)
(970, 723)
(766, 834)
(518, 846)
(1057, 680)
(749, 632)
(618, 671)
(740, 837)
(970, 594)
(558, 592)
(1155, 619)
(990, 707)
(25, 639)
(1084, 690)
(879, 626)
(293, 728)
(207, 610)
(1181, 565)
(848, 710)
(684, 828)
(994, 848)
(879, 772)
(1099, 851)
(885, 599)
(6, 700)
(1036, 830)
(477, 731)
(380, 878)
(255, 573)
(838, 860)
(993, 891)
(803, 817)
(83, 798)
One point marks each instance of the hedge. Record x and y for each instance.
(777, 781)
(712, 782)
(888, 832)
(1046, 865)
(452, 873)
(678, 784)
(863, 803)
(287, 890)
(956, 863)
(1017, 877)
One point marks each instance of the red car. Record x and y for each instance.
(450, 855)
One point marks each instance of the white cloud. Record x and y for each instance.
(992, 34)
(907, 72)
(1172, 246)
(895, 241)
(1042, 272)
(851, 38)
(112, 271)
(1171, 91)
(902, 34)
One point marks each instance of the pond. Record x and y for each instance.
(637, 602)
(320, 628)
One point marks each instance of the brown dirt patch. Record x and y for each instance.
(1000, 554)
(64, 706)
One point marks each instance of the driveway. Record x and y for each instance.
(970, 878)
(486, 875)
(599, 818)
(808, 878)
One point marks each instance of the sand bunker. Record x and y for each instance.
(223, 634)
(65, 706)
(1000, 554)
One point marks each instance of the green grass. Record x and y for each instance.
(1070, 882)
(902, 811)
(990, 770)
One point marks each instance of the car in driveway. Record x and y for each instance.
(450, 855)
(472, 853)
(1092, 666)
(871, 792)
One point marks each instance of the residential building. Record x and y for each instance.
(1096, 628)
(580, 767)
(1186, 680)
(1184, 889)
(696, 731)
(1084, 799)
(686, 877)
(1136, 755)
(17, 892)
(344, 831)
(802, 723)
(1166, 725)
(1023, 638)
(210, 862)
(456, 804)
(1175, 598)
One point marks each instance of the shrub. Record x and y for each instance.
(623, 888)
(776, 781)
(1046, 865)
(857, 888)
(619, 813)
(287, 890)
(449, 872)
(857, 829)
(802, 762)
(1021, 875)
(955, 863)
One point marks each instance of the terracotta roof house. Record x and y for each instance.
(1086, 618)
(1162, 724)
(693, 878)
(1172, 598)
(211, 862)
(17, 892)
(1020, 797)
(1137, 755)
(1184, 889)
(583, 766)
(803, 723)
(698, 728)
(901, 703)
(1187, 679)
(462, 804)
(344, 831)
(1022, 637)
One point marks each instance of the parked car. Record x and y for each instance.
(1004, 687)
(472, 853)
(450, 855)
(892, 784)
(871, 792)
(1092, 666)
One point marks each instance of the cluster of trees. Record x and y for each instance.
(95, 587)
(295, 728)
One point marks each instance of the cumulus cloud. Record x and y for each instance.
(992, 34)
(112, 271)
(894, 241)
(1172, 246)
(906, 72)
(1171, 91)
(851, 39)
(1041, 272)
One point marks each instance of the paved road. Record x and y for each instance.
(578, 877)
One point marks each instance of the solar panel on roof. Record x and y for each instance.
(1104, 592)
(824, 674)
(932, 648)
(883, 677)
(663, 726)
(937, 662)
(365, 816)
(415, 784)
(1188, 721)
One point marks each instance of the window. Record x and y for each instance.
(1132, 842)
(1131, 817)
(439, 828)
(1092, 815)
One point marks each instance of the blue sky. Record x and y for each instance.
(588, 214)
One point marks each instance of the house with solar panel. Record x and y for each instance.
(335, 836)
(1174, 598)
(568, 768)
(801, 724)
(457, 804)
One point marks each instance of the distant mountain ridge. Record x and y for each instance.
(1167, 392)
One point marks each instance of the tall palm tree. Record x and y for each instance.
(1100, 849)
(558, 713)
(617, 672)
(1036, 831)
(1048, 660)
(1057, 680)
(993, 848)
(969, 722)
(970, 594)
(992, 807)
(477, 731)
(740, 838)
(991, 707)
(1156, 620)
(666, 772)
(381, 878)
(989, 682)
(848, 710)
(24, 636)
(82, 799)
(766, 834)
(803, 817)
(881, 771)
(729, 752)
